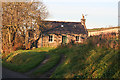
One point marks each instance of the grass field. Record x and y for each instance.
(99, 29)
(24, 60)
(81, 61)
(53, 60)
(85, 61)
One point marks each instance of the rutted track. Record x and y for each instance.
(12, 74)
(43, 62)
(6, 73)
(50, 72)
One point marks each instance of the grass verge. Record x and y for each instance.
(24, 61)
(53, 61)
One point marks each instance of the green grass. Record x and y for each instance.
(81, 61)
(85, 61)
(24, 60)
(44, 49)
(53, 60)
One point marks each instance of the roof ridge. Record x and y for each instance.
(62, 21)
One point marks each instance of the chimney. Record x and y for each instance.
(83, 21)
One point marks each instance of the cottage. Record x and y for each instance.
(63, 33)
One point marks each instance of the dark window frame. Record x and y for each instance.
(77, 38)
(64, 39)
(51, 38)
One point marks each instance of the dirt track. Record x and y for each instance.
(6, 73)
(11, 74)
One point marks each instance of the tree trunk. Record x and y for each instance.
(9, 35)
(26, 39)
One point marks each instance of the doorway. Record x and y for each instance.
(64, 39)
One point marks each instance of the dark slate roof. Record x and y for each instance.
(68, 27)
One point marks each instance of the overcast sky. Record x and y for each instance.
(100, 13)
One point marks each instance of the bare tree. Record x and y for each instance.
(18, 18)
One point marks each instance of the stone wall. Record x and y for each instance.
(44, 40)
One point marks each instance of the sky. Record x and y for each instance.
(100, 13)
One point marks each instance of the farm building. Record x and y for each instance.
(63, 33)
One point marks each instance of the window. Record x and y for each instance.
(77, 38)
(75, 26)
(50, 38)
(62, 26)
